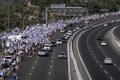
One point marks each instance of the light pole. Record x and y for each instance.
(46, 16)
(8, 17)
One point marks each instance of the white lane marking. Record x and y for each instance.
(50, 66)
(92, 54)
(51, 61)
(94, 57)
(101, 66)
(111, 78)
(49, 73)
(35, 62)
(29, 74)
(29, 56)
(97, 61)
(68, 49)
(33, 67)
(52, 56)
(115, 65)
(119, 69)
(105, 71)
(38, 57)
(90, 78)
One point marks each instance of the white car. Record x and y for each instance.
(59, 41)
(43, 53)
(108, 61)
(105, 24)
(69, 33)
(9, 58)
(62, 55)
(112, 21)
(47, 47)
(103, 43)
(77, 28)
(62, 30)
(66, 36)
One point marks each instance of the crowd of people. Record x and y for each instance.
(40, 33)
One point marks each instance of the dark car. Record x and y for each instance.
(53, 44)
(64, 40)
(98, 38)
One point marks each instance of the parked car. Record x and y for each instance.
(47, 47)
(59, 41)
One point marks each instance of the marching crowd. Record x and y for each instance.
(31, 39)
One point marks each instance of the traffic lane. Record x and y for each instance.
(116, 31)
(111, 71)
(93, 68)
(40, 68)
(109, 52)
(25, 67)
(108, 49)
(59, 67)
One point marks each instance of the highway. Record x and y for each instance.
(93, 54)
(45, 68)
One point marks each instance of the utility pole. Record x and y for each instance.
(8, 18)
(23, 15)
(46, 16)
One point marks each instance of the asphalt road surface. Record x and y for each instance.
(94, 54)
(45, 68)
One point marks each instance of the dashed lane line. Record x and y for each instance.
(49, 73)
(105, 71)
(35, 62)
(52, 61)
(94, 57)
(33, 67)
(50, 66)
(29, 74)
(115, 65)
(111, 78)
(101, 66)
(97, 61)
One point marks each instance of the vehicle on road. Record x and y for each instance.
(69, 32)
(59, 41)
(9, 58)
(66, 36)
(62, 30)
(108, 61)
(112, 21)
(47, 47)
(98, 38)
(104, 43)
(64, 40)
(43, 53)
(77, 28)
(105, 25)
(62, 55)
(53, 44)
